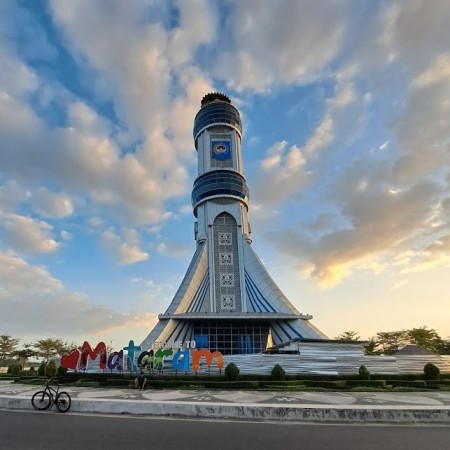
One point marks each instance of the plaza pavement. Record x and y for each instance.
(346, 407)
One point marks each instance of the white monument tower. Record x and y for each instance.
(227, 301)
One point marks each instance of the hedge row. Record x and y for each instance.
(367, 383)
(101, 377)
(127, 380)
(408, 383)
(200, 384)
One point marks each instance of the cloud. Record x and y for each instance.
(85, 120)
(437, 253)
(23, 29)
(65, 235)
(133, 187)
(292, 169)
(125, 249)
(377, 205)
(50, 308)
(26, 234)
(87, 154)
(374, 224)
(49, 204)
(422, 130)
(412, 29)
(285, 167)
(442, 245)
(197, 25)
(267, 44)
(12, 194)
(16, 78)
(173, 248)
(137, 67)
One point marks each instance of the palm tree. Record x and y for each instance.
(49, 348)
(24, 354)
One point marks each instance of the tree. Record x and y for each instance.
(444, 347)
(370, 348)
(24, 354)
(424, 337)
(14, 369)
(390, 341)
(51, 369)
(7, 346)
(348, 336)
(41, 369)
(49, 348)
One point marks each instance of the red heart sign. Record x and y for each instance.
(70, 361)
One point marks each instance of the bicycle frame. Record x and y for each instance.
(50, 396)
(52, 391)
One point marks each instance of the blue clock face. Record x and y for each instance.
(221, 149)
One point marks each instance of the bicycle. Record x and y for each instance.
(50, 396)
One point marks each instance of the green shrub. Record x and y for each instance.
(14, 369)
(41, 369)
(232, 372)
(364, 373)
(51, 369)
(278, 373)
(431, 372)
(367, 383)
(62, 371)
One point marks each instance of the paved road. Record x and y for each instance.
(42, 430)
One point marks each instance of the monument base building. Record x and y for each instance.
(227, 301)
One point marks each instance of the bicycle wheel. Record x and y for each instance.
(63, 402)
(41, 400)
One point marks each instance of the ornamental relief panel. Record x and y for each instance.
(226, 259)
(226, 280)
(225, 239)
(227, 302)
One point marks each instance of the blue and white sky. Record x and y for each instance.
(346, 113)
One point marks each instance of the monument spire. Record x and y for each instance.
(227, 301)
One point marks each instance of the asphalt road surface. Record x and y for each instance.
(48, 430)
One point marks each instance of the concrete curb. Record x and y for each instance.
(263, 412)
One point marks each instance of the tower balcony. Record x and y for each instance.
(217, 113)
(219, 184)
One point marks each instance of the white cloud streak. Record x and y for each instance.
(56, 311)
(126, 248)
(26, 234)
